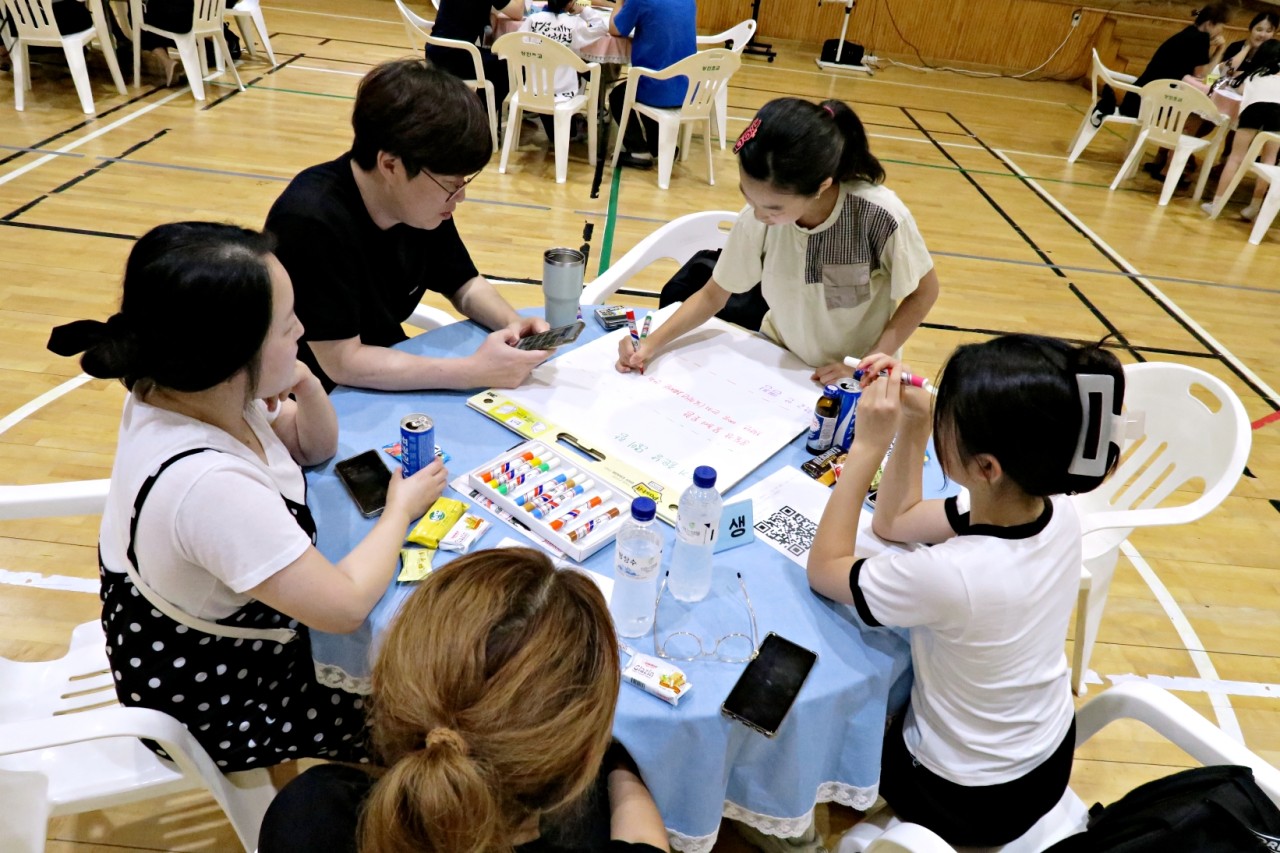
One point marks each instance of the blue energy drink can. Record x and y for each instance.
(417, 443)
(849, 393)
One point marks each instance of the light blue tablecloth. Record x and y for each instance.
(698, 763)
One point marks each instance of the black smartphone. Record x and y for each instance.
(552, 338)
(366, 479)
(769, 685)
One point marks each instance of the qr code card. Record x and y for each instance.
(789, 530)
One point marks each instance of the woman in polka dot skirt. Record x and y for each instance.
(210, 575)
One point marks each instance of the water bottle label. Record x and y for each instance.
(702, 533)
(637, 568)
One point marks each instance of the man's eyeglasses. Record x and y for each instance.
(686, 645)
(451, 194)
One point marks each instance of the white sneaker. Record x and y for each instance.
(1207, 207)
(1249, 213)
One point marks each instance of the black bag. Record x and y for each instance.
(743, 309)
(1202, 810)
(233, 46)
(851, 55)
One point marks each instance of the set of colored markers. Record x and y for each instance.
(543, 492)
(638, 334)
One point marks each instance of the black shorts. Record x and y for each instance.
(1260, 116)
(918, 795)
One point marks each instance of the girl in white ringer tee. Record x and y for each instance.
(1021, 421)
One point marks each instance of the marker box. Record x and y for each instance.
(517, 495)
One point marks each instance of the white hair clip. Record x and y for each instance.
(1102, 425)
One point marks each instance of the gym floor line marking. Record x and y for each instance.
(1145, 283)
(1269, 419)
(18, 414)
(327, 15)
(953, 92)
(71, 146)
(1220, 701)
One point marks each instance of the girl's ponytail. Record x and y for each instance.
(857, 163)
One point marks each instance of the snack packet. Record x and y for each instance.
(415, 564)
(432, 527)
(658, 677)
(464, 534)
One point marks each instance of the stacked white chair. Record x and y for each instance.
(739, 35)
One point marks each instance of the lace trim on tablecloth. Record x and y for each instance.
(332, 675)
(860, 799)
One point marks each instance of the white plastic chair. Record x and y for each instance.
(677, 240)
(46, 500)
(60, 720)
(1166, 106)
(36, 26)
(1184, 439)
(206, 23)
(418, 30)
(1120, 84)
(1264, 172)
(738, 35)
(708, 72)
(532, 61)
(247, 12)
(1160, 710)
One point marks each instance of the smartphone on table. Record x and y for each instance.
(552, 338)
(768, 687)
(366, 479)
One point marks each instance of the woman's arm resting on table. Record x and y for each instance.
(832, 554)
(633, 815)
(338, 598)
(307, 425)
(909, 314)
(691, 314)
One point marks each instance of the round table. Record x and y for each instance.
(699, 764)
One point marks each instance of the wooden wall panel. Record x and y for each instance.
(996, 35)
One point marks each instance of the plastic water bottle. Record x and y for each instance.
(635, 570)
(697, 522)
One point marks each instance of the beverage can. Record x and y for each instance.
(850, 392)
(822, 429)
(417, 443)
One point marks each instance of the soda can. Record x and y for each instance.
(850, 392)
(417, 443)
(822, 429)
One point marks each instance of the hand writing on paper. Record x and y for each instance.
(631, 359)
(414, 495)
(498, 364)
(830, 374)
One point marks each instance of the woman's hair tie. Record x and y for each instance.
(828, 109)
(747, 135)
(448, 738)
(82, 335)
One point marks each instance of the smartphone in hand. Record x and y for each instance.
(366, 479)
(552, 338)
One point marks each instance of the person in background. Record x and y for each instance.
(365, 236)
(466, 20)
(838, 256)
(211, 581)
(1259, 113)
(662, 32)
(1237, 55)
(990, 726)
(575, 27)
(493, 696)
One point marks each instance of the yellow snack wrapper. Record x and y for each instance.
(415, 564)
(432, 527)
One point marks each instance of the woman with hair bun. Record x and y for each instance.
(493, 697)
(210, 575)
(838, 256)
(990, 726)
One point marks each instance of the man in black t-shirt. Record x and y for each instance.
(465, 20)
(365, 236)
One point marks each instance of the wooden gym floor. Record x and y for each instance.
(1022, 242)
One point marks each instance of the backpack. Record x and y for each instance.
(1202, 810)
(743, 309)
